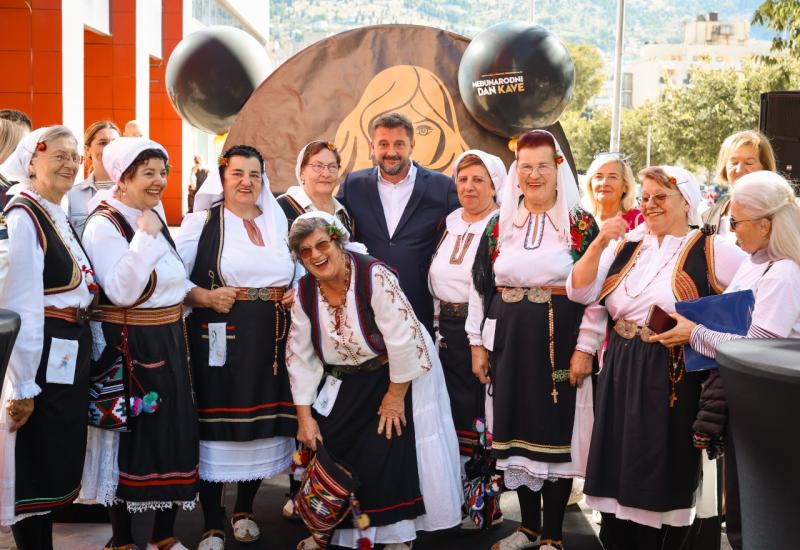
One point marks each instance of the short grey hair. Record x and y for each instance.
(302, 228)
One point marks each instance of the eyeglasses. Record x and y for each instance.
(61, 158)
(318, 168)
(322, 246)
(544, 169)
(734, 223)
(659, 199)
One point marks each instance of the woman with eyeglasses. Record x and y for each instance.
(643, 469)
(741, 153)
(50, 284)
(527, 338)
(234, 248)
(317, 173)
(765, 216)
(389, 418)
(95, 139)
(610, 190)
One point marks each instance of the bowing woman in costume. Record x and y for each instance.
(154, 465)
(352, 321)
(643, 470)
(479, 177)
(235, 251)
(49, 284)
(525, 336)
(317, 173)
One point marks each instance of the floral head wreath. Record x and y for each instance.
(559, 158)
(41, 146)
(330, 146)
(222, 160)
(672, 181)
(333, 232)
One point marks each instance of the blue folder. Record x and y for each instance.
(730, 313)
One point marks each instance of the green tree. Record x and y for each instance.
(589, 75)
(782, 16)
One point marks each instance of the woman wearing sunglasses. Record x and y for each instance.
(317, 173)
(765, 216)
(643, 470)
(611, 190)
(234, 248)
(353, 323)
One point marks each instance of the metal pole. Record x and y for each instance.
(616, 106)
(533, 11)
(649, 142)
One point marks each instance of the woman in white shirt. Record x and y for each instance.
(527, 338)
(97, 136)
(154, 464)
(643, 470)
(50, 285)
(235, 251)
(765, 217)
(479, 177)
(352, 325)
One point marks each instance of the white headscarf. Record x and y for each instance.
(212, 193)
(117, 157)
(494, 165)
(690, 189)
(17, 166)
(330, 219)
(568, 197)
(298, 165)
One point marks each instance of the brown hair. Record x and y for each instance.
(393, 120)
(315, 147)
(756, 140)
(91, 131)
(141, 159)
(658, 175)
(470, 160)
(535, 138)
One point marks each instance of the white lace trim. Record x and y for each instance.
(514, 478)
(250, 476)
(138, 507)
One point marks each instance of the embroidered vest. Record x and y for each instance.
(308, 294)
(207, 272)
(693, 276)
(61, 271)
(293, 210)
(118, 219)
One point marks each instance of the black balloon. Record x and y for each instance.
(516, 76)
(211, 73)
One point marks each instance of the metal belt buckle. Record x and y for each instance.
(539, 295)
(647, 334)
(82, 315)
(265, 294)
(512, 295)
(626, 329)
(252, 294)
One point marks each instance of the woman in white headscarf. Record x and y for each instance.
(50, 285)
(317, 173)
(140, 330)
(352, 324)
(479, 177)
(235, 251)
(643, 469)
(528, 341)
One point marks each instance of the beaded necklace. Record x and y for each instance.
(654, 277)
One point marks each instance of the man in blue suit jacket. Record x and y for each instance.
(396, 208)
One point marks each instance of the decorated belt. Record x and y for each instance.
(367, 366)
(266, 294)
(75, 315)
(141, 317)
(536, 294)
(630, 330)
(453, 309)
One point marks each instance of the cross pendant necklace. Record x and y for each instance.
(554, 393)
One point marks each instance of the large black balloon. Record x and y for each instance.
(516, 76)
(211, 73)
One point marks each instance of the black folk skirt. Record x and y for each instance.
(51, 446)
(527, 422)
(158, 457)
(467, 394)
(386, 468)
(641, 452)
(249, 398)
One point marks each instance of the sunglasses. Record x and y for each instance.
(734, 223)
(322, 246)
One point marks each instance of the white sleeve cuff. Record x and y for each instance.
(24, 390)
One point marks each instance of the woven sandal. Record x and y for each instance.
(213, 539)
(245, 528)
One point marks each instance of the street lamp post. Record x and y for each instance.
(616, 107)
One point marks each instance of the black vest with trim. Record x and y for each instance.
(61, 271)
(293, 210)
(308, 291)
(207, 272)
(693, 275)
(116, 217)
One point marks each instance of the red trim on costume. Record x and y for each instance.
(247, 409)
(392, 507)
